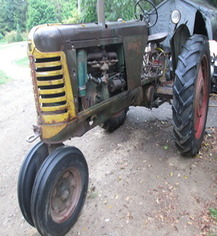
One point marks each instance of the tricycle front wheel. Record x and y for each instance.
(26, 179)
(59, 191)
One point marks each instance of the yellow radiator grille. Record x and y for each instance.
(53, 91)
(51, 86)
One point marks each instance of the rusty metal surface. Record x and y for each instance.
(117, 45)
(36, 95)
(98, 114)
(134, 47)
(177, 42)
(61, 37)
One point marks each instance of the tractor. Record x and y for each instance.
(89, 74)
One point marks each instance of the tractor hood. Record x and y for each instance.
(50, 38)
(191, 11)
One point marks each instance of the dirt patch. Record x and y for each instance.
(142, 185)
(139, 183)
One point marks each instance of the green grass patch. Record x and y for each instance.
(24, 62)
(3, 44)
(213, 212)
(3, 77)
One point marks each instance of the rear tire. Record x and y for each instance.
(191, 95)
(115, 121)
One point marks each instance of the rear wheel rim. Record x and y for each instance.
(201, 98)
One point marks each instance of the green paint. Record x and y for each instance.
(82, 72)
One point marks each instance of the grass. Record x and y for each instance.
(24, 62)
(213, 213)
(2, 41)
(3, 77)
(4, 45)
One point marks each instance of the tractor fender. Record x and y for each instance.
(179, 38)
(184, 31)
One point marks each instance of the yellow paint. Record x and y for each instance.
(53, 117)
(51, 91)
(48, 64)
(47, 100)
(53, 82)
(51, 130)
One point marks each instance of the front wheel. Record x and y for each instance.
(59, 191)
(28, 172)
(191, 95)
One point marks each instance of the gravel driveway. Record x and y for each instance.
(139, 183)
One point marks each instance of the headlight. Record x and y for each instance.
(176, 16)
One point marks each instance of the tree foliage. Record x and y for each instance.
(123, 9)
(22, 15)
(13, 15)
(40, 12)
(88, 10)
(63, 8)
(49, 11)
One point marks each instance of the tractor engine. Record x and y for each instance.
(78, 71)
(103, 77)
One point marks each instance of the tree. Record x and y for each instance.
(88, 10)
(49, 11)
(40, 12)
(63, 8)
(16, 15)
(13, 15)
(123, 9)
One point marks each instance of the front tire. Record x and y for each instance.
(191, 95)
(59, 191)
(27, 174)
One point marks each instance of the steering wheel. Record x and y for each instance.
(145, 10)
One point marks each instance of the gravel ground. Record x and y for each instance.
(139, 183)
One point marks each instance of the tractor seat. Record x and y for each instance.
(157, 38)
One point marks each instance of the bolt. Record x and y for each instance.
(65, 195)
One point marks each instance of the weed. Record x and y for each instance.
(24, 62)
(213, 212)
(3, 77)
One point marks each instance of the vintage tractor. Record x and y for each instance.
(86, 75)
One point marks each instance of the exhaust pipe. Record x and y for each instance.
(101, 12)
